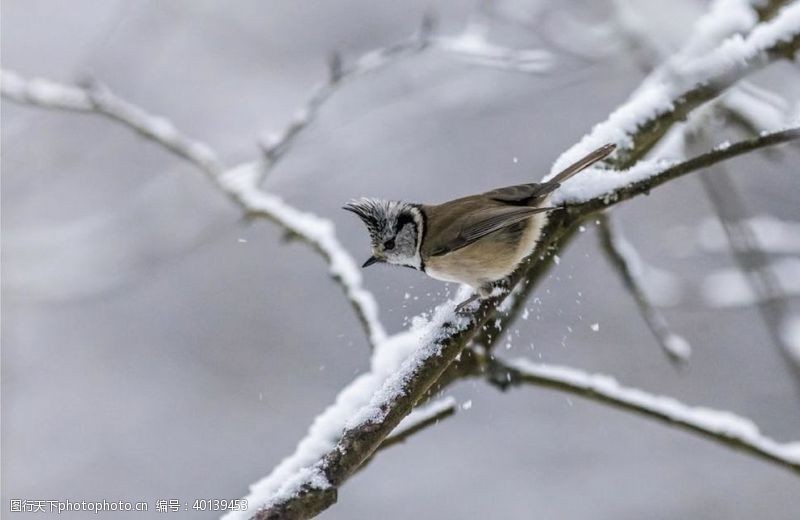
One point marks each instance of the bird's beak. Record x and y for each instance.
(371, 260)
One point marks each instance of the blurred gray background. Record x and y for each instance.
(154, 346)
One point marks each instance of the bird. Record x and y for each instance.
(476, 240)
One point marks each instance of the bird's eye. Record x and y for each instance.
(389, 244)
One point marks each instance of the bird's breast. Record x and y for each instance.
(489, 259)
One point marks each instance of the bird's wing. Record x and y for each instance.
(477, 224)
(521, 194)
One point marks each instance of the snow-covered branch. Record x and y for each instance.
(312, 488)
(598, 189)
(625, 260)
(753, 108)
(238, 183)
(98, 99)
(719, 426)
(660, 102)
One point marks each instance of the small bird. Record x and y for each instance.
(475, 240)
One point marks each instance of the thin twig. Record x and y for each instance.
(625, 261)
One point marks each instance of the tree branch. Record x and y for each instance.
(624, 259)
(239, 183)
(609, 188)
(764, 50)
(664, 100)
(718, 426)
(98, 99)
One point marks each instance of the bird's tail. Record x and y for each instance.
(597, 155)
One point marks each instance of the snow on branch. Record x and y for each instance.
(241, 183)
(238, 183)
(597, 189)
(722, 20)
(98, 99)
(368, 410)
(662, 101)
(326, 429)
(625, 260)
(753, 108)
(720, 426)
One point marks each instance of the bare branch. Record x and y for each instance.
(239, 183)
(718, 426)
